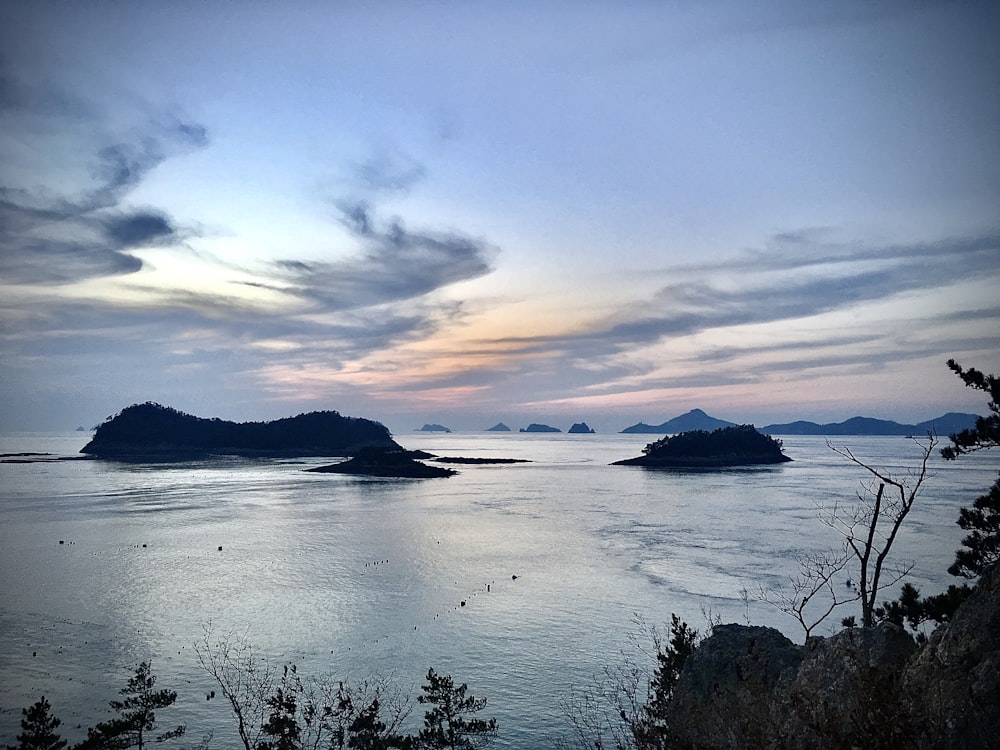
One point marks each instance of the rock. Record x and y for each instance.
(846, 691)
(499, 427)
(750, 687)
(726, 692)
(952, 686)
(581, 428)
(376, 462)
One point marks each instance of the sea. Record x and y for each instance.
(525, 581)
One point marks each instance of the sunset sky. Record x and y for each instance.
(470, 212)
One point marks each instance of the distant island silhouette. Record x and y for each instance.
(739, 445)
(534, 427)
(581, 428)
(696, 419)
(499, 427)
(946, 424)
(433, 428)
(152, 432)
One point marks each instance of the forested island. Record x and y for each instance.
(740, 445)
(152, 432)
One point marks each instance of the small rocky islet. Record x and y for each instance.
(380, 462)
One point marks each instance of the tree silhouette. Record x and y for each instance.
(986, 433)
(136, 718)
(38, 729)
(445, 725)
(982, 545)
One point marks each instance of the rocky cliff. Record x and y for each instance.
(750, 687)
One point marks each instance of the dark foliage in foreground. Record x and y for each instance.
(283, 712)
(445, 723)
(982, 544)
(986, 433)
(982, 520)
(38, 729)
(981, 547)
(135, 723)
(145, 431)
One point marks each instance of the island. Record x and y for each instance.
(151, 432)
(381, 462)
(499, 427)
(433, 428)
(581, 428)
(695, 419)
(946, 424)
(740, 445)
(534, 427)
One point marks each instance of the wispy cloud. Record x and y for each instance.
(395, 264)
(386, 171)
(59, 238)
(803, 305)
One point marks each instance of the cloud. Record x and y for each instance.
(809, 304)
(797, 282)
(387, 172)
(395, 264)
(138, 229)
(48, 238)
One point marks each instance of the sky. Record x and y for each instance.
(466, 213)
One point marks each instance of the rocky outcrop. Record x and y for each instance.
(728, 690)
(846, 691)
(952, 686)
(751, 687)
(581, 428)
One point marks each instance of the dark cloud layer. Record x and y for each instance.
(840, 281)
(48, 238)
(395, 264)
(138, 229)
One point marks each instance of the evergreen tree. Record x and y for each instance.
(445, 725)
(986, 433)
(136, 716)
(653, 728)
(282, 726)
(369, 732)
(38, 729)
(982, 545)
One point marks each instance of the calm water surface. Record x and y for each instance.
(357, 576)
